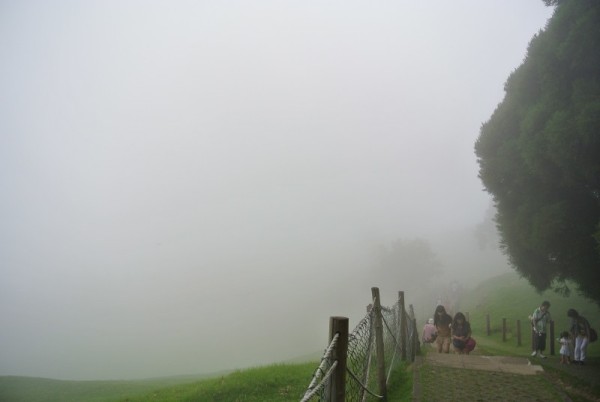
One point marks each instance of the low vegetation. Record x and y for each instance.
(276, 383)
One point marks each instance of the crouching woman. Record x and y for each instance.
(461, 334)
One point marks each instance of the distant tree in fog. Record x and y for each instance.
(486, 232)
(412, 261)
(539, 154)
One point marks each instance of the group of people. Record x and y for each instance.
(578, 335)
(444, 330)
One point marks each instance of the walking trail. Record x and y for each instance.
(452, 377)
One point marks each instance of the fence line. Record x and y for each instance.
(374, 344)
(506, 329)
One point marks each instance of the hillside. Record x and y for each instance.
(506, 296)
(511, 297)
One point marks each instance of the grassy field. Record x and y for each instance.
(510, 297)
(276, 383)
(28, 389)
(506, 296)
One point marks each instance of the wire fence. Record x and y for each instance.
(377, 345)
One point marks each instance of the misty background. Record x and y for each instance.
(193, 186)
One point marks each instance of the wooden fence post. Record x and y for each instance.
(504, 330)
(533, 339)
(552, 337)
(518, 332)
(415, 338)
(337, 390)
(487, 324)
(403, 331)
(415, 347)
(381, 377)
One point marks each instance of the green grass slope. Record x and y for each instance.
(277, 383)
(511, 297)
(28, 389)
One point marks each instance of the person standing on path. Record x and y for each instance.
(442, 322)
(540, 320)
(580, 331)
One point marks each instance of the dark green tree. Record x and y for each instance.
(539, 154)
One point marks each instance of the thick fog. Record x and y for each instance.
(193, 186)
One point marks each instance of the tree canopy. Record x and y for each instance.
(539, 154)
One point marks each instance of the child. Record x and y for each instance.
(429, 332)
(565, 347)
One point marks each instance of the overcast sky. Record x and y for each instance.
(184, 182)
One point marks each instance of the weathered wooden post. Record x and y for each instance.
(337, 390)
(518, 332)
(381, 377)
(552, 337)
(416, 346)
(403, 331)
(504, 330)
(533, 338)
(487, 324)
(415, 337)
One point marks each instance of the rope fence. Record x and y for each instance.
(356, 366)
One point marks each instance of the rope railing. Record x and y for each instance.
(370, 347)
(320, 386)
(315, 386)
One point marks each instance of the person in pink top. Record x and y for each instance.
(429, 332)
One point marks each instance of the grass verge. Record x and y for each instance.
(276, 383)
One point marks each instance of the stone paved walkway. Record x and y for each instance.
(450, 377)
(503, 364)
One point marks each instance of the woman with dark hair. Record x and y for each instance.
(580, 331)
(442, 321)
(461, 332)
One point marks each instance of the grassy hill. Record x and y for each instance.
(506, 296)
(28, 389)
(276, 383)
(511, 297)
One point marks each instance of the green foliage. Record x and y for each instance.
(551, 2)
(539, 154)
